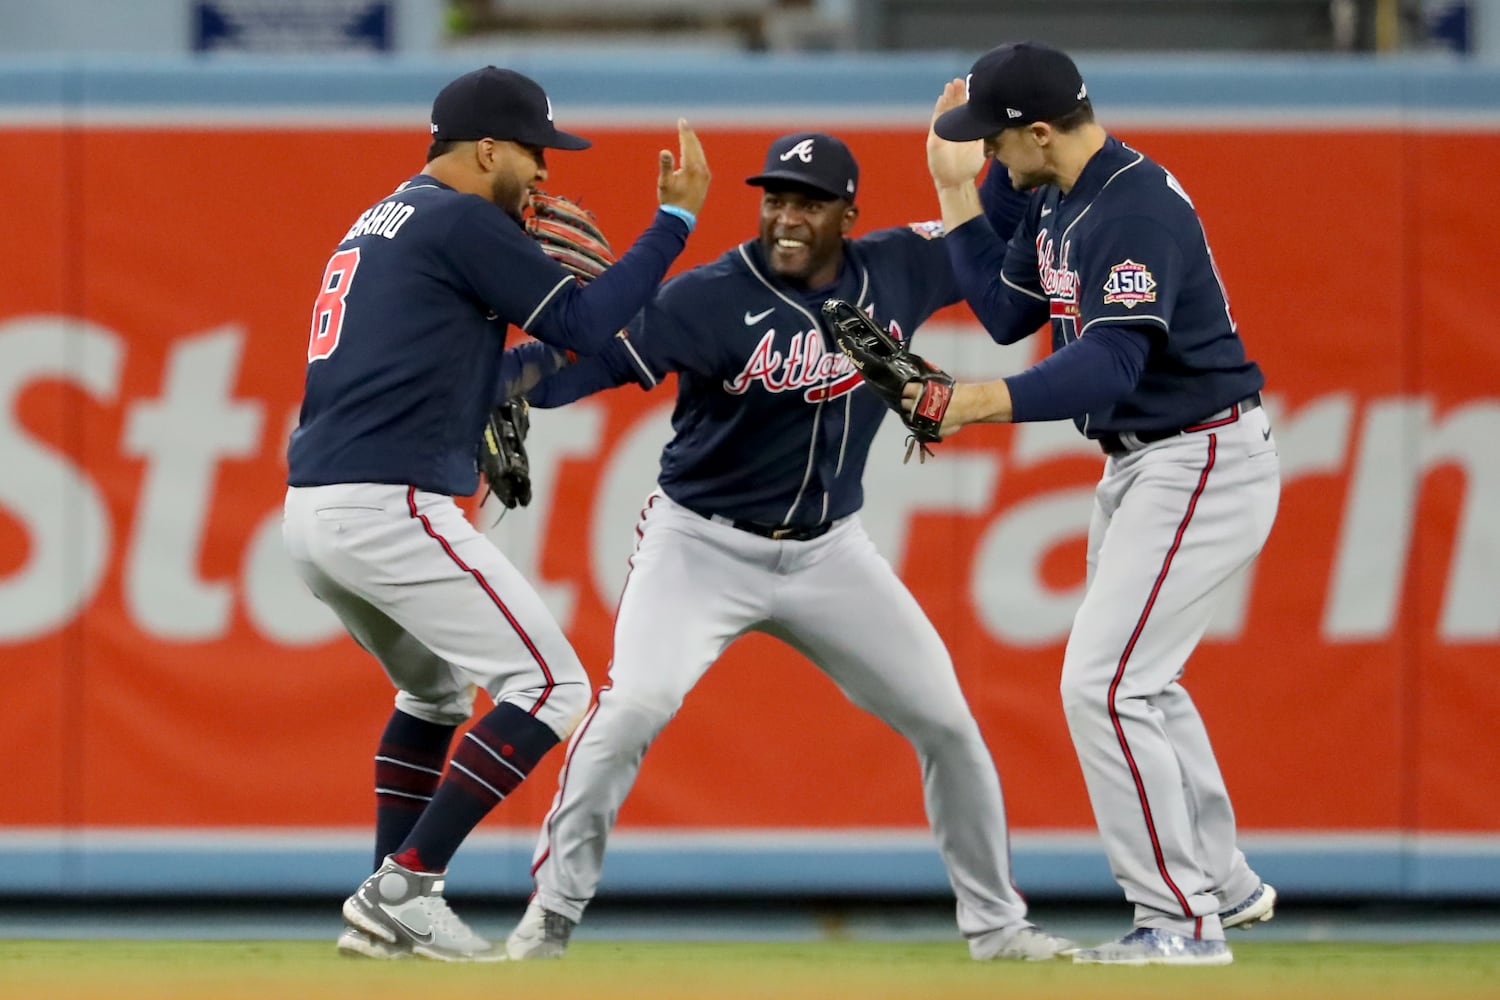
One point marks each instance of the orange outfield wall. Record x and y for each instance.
(163, 669)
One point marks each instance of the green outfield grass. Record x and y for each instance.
(598, 970)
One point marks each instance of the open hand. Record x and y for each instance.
(952, 163)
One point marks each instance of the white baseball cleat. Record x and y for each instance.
(406, 910)
(355, 943)
(540, 934)
(1026, 944)
(1256, 908)
(1154, 946)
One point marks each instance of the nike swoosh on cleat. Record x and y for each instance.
(753, 318)
(420, 937)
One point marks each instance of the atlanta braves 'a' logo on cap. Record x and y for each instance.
(802, 151)
(814, 160)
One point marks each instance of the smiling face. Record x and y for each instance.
(802, 233)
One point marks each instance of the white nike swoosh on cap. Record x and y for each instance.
(753, 318)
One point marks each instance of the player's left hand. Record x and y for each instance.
(502, 453)
(952, 164)
(892, 371)
(951, 416)
(968, 403)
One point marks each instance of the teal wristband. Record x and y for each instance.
(683, 214)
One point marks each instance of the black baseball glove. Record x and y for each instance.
(502, 453)
(888, 367)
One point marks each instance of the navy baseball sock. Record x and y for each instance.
(408, 767)
(493, 758)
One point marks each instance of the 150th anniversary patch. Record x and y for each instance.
(1129, 284)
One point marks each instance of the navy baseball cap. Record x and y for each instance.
(493, 103)
(813, 159)
(1012, 85)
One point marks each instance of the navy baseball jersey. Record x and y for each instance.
(772, 423)
(409, 326)
(1125, 248)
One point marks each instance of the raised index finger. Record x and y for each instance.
(688, 144)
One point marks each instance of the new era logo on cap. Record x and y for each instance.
(812, 160)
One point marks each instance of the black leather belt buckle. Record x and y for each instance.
(1151, 437)
(784, 533)
(775, 532)
(1110, 444)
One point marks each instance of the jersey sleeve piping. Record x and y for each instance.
(1024, 291)
(546, 299)
(1119, 319)
(640, 363)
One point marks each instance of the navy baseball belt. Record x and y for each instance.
(1124, 442)
(777, 532)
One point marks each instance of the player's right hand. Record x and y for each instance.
(952, 163)
(685, 186)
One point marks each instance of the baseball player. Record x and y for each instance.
(404, 364)
(755, 527)
(1147, 362)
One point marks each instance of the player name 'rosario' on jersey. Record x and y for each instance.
(1125, 247)
(772, 423)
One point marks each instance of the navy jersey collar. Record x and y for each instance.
(423, 180)
(1113, 155)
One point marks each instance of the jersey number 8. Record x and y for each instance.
(328, 310)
